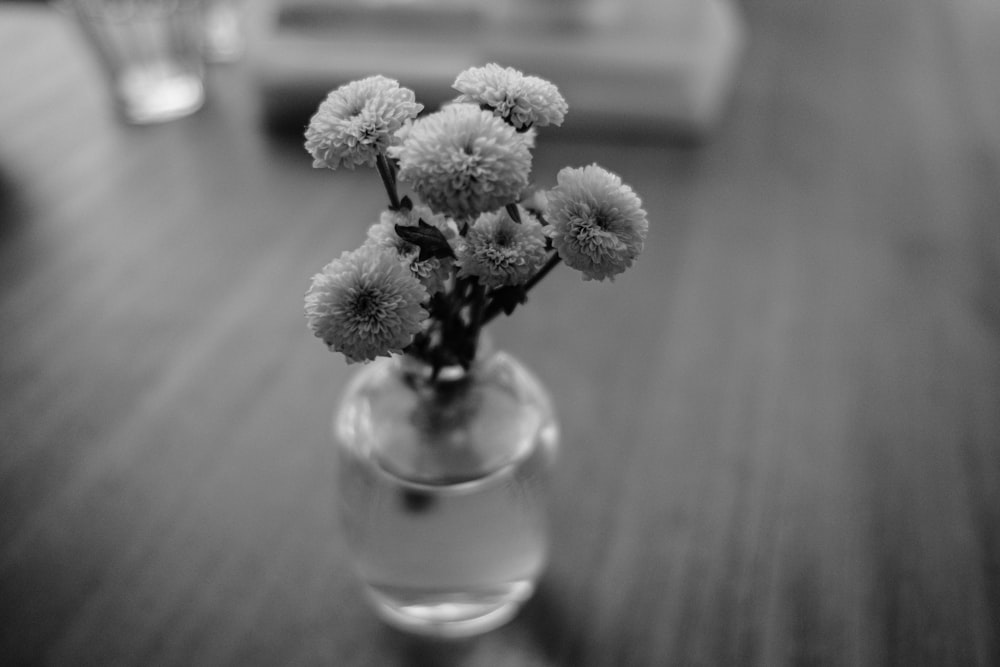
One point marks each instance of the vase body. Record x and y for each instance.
(442, 488)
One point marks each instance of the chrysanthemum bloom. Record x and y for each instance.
(597, 223)
(357, 121)
(502, 252)
(522, 101)
(536, 201)
(365, 304)
(432, 272)
(464, 161)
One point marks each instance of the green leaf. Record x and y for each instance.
(428, 238)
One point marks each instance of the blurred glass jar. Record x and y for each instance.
(150, 52)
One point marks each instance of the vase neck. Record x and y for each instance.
(465, 425)
(423, 372)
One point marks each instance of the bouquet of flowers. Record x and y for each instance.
(475, 236)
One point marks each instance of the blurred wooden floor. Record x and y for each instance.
(781, 429)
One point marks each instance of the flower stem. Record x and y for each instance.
(477, 312)
(388, 179)
(494, 309)
(544, 271)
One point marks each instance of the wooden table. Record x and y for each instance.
(781, 429)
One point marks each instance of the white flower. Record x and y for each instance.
(357, 121)
(501, 252)
(365, 304)
(464, 161)
(597, 225)
(523, 101)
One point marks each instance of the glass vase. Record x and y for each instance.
(442, 489)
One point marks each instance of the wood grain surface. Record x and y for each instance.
(781, 430)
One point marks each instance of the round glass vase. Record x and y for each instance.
(442, 490)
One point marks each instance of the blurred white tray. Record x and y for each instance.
(630, 66)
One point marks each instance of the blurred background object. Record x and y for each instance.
(225, 30)
(150, 52)
(628, 66)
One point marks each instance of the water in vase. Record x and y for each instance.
(447, 559)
